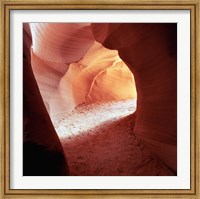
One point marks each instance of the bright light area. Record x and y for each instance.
(88, 117)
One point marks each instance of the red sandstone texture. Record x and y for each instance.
(94, 63)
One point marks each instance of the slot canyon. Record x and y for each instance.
(99, 99)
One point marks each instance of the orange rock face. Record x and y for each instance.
(72, 68)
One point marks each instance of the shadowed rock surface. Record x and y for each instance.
(150, 51)
(42, 150)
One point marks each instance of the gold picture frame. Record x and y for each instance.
(7, 5)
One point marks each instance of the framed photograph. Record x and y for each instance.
(99, 99)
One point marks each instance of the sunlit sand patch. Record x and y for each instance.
(87, 117)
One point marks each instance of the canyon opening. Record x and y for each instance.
(99, 99)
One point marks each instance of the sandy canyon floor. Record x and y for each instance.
(98, 140)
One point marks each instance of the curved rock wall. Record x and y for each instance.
(55, 46)
(150, 52)
(42, 151)
(61, 42)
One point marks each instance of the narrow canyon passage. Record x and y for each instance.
(100, 99)
(98, 140)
